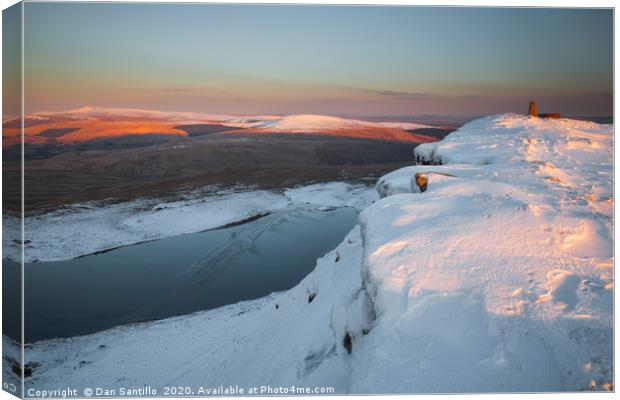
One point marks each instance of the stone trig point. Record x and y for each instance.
(532, 112)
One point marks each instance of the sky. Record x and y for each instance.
(339, 60)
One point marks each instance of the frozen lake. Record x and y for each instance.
(174, 276)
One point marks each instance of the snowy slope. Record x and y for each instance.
(317, 123)
(182, 117)
(497, 277)
(340, 127)
(333, 194)
(502, 268)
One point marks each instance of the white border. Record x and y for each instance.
(479, 3)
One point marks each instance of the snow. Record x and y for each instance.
(96, 121)
(316, 123)
(89, 112)
(59, 235)
(276, 123)
(497, 277)
(248, 344)
(333, 194)
(11, 357)
(406, 125)
(309, 122)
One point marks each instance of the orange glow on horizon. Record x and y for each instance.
(64, 130)
(90, 130)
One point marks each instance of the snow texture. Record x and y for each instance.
(333, 194)
(497, 277)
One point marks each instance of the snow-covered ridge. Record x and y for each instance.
(509, 249)
(316, 123)
(90, 112)
(290, 123)
(90, 123)
(494, 275)
(82, 229)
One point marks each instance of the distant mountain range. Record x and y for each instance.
(93, 123)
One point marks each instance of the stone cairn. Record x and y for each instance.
(532, 112)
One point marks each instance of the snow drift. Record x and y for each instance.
(496, 276)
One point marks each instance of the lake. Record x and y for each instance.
(173, 276)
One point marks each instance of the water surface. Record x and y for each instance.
(178, 275)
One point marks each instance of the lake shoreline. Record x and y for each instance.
(58, 236)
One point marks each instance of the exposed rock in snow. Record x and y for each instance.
(88, 228)
(498, 278)
(403, 180)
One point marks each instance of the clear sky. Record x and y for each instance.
(362, 60)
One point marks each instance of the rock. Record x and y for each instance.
(550, 115)
(311, 297)
(422, 181)
(347, 342)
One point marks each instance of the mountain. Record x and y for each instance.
(85, 124)
(485, 267)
